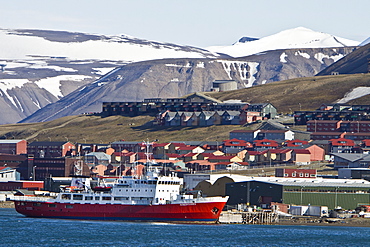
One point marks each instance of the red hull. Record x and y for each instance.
(205, 212)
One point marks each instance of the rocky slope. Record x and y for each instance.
(356, 62)
(177, 77)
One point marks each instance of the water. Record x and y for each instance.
(17, 230)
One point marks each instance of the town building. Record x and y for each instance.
(8, 174)
(13, 146)
(51, 149)
(295, 173)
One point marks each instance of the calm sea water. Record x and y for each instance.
(17, 230)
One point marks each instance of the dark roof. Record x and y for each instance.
(47, 143)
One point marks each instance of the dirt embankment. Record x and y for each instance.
(6, 204)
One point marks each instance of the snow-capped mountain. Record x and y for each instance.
(21, 44)
(299, 37)
(39, 68)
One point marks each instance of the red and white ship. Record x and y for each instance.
(148, 198)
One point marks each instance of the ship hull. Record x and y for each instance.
(190, 212)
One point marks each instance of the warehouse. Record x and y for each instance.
(346, 193)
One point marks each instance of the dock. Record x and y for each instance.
(252, 218)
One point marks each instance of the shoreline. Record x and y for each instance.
(307, 221)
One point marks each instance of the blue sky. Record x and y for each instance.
(198, 23)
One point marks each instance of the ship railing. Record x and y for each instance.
(31, 198)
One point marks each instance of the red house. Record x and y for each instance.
(342, 145)
(260, 145)
(295, 173)
(295, 143)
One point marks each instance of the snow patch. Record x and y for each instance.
(52, 84)
(200, 65)
(302, 54)
(320, 57)
(179, 66)
(246, 70)
(234, 101)
(282, 58)
(354, 94)
(103, 71)
(253, 71)
(9, 84)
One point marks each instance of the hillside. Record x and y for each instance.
(355, 62)
(287, 96)
(301, 94)
(94, 129)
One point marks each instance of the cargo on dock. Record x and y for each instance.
(259, 217)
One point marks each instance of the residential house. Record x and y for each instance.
(249, 117)
(325, 135)
(97, 158)
(187, 118)
(266, 110)
(246, 135)
(295, 143)
(124, 157)
(189, 157)
(365, 146)
(231, 158)
(119, 146)
(207, 118)
(8, 174)
(264, 144)
(18, 162)
(279, 156)
(231, 118)
(51, 149)
(189, 149)
(172, 119)
(323, 126)
(13, 146)
(200, 165)
(317, 153)
(256, 157)
(342, 145)
(301, 156)
(357, 136)
(235, 144)
(275, 135)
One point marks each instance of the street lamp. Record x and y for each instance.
(34, 173)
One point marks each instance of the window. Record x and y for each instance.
(66, 197)
(69, 206)
(77, 197)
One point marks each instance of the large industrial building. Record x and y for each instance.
(345, 193)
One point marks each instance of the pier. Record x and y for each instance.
(252, 218)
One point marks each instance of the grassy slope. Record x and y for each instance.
(286, 96)
(306, 93)
(103, 130)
